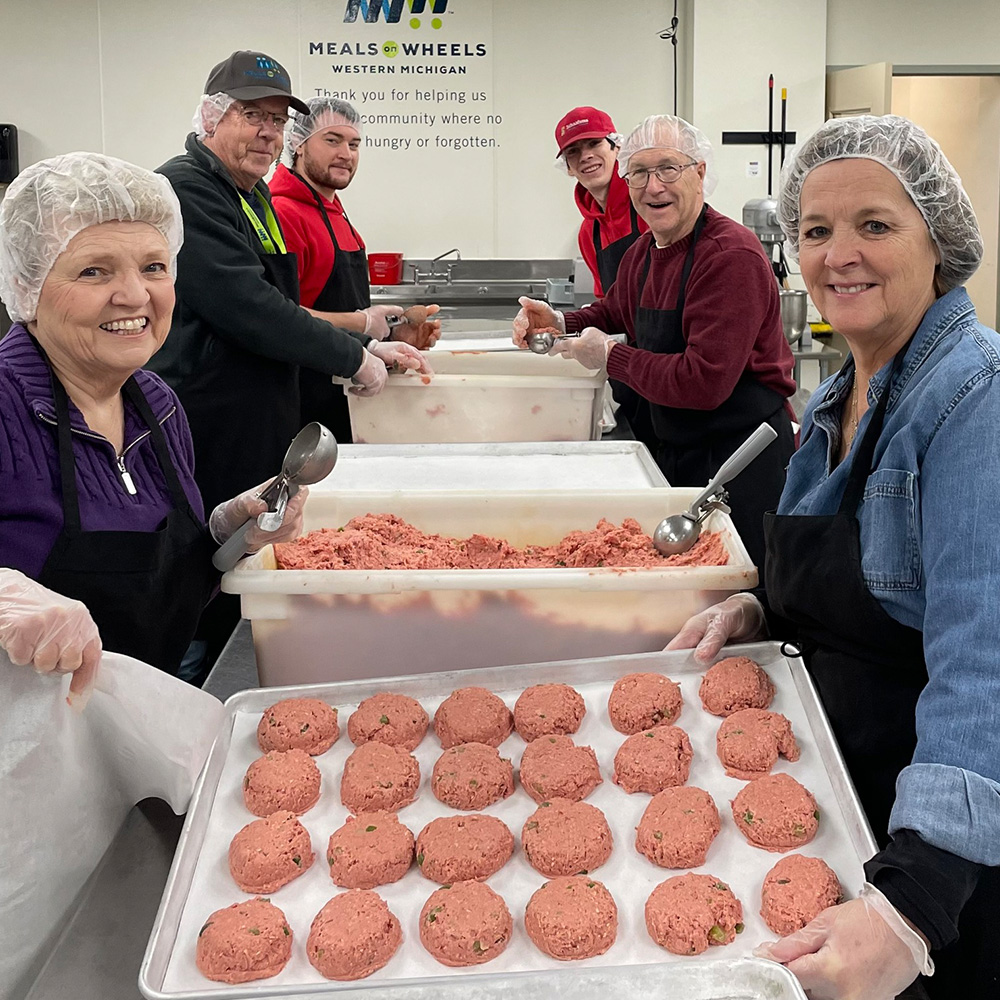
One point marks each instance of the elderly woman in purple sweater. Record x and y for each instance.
(103, 540)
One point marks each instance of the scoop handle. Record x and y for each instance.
(737, 462)
(234, 548)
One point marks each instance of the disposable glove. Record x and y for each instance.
(420, 330)
(232, 514)
(371, 377)
(590, 348)
(859, 950)
(48, 631)
(535, 315)
(738, 617)
(394, 354)
(375, 316)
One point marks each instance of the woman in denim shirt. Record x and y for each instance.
(883, 561)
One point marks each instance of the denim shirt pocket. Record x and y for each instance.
(890, 555)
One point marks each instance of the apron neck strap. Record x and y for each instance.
(685, 272)
(270, 237)
(862, 462)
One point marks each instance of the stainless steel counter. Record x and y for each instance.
(100, 948)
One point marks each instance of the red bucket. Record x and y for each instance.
(385, 268)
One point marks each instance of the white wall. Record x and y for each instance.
(913, 32)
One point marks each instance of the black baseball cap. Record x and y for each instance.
(248, 75)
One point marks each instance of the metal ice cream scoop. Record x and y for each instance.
(541, 342)
(310, 457)
(677, 533)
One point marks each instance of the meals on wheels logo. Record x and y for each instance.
(392, 10)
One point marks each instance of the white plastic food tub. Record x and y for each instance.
(484, 396)
(323, 625)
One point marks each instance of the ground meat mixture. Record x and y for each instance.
(472, 715)
(377, 776)
(749, 741)
(678, 827)
(465, 924)
(548, 710)
(243, 942)
(472, 776)
(795, 890)
(288, 780)
(651, 761)
(566, 838)
(572, 917)
(298, 724)
(385, 541)
(459, 848)
(269, 853)
(776, 813)
(642, 701)
(370, 849)
(395, 719)
(555, 767)
(735, 683)
(688, 913)
(352, 936)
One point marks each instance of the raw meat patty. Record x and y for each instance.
(795, 890)
(352, 936)
(472, 776)
(734, 683)
(460, 848)
(465, 924)
(388, 718)
(377, 776)
(472, 715)
(278, 781)
(370, 849)
(678, 827)
(572, 917)
(245, 941)
(555, 767)
(687, 913)
(548, 710)
(653, 760)
(642, 701)
(298, 724)
(269, 853)
(566, 838)
(749, 741)
(776, 813)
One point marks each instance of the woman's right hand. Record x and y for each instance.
(48, 631)
(738, 617)
(535, 315)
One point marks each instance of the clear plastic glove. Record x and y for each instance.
(403, 356)
(738, 617)
(50, 632)
(590, 348)
(232, 514)
(419, 330)
(371, 377)
(859, 950)
(535, 315)
(375, 316)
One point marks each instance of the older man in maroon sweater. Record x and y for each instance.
(706, 355)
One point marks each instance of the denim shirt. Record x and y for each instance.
(930, 555)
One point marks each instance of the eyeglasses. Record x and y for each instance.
(666, 173)
(254, 116)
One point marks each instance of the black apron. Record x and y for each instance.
(346, 289)
(869, 670)
(144, 589)
(691, 445)
(609, 258)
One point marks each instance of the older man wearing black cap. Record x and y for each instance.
(239, 334)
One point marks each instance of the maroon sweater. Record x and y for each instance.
(732, 318)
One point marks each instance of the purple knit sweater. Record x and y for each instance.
(30, 510)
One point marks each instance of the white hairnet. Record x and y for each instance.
(324, 112)
(916, 160)
(670, 132)
(53, 200)
(209, 113)
(615, 138)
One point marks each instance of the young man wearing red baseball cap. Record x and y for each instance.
(588, 146)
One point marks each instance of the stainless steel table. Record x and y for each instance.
(99, 949)
(826, 356)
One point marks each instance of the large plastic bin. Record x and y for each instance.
(322, 625)
(484, 396)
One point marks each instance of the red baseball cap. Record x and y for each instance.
(582, 123)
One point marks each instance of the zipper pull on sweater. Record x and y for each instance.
(126, 478)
